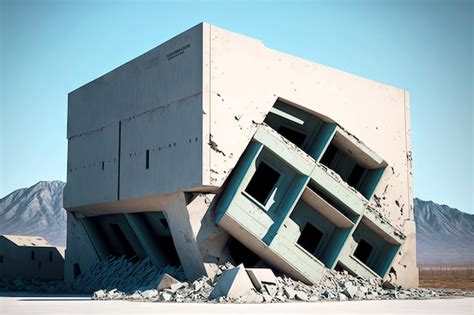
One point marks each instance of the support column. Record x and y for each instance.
(184, 238)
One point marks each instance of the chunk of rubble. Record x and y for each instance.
(98, 295)
(251, 297)
(261, 276)
(168, 282)
(232, 283)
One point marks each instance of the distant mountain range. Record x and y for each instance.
(444, 235)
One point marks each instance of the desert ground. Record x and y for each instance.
(447, 277)
(15, 303)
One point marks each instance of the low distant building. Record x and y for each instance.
(30, 257)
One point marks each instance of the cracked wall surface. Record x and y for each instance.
(192, 105)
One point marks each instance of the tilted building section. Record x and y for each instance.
(212, 147)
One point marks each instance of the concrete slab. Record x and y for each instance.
(232, 283)
(261, 276)
(168, 282)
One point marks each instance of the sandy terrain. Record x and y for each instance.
(15, 303)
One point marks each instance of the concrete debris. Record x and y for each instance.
(261, 276)
(168, 282)
(233, 285)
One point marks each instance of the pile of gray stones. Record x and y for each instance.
(120, 279)
(334, 286)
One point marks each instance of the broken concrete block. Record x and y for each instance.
(251, 297)
(164, 297)
(301, 296)
(261, 276)
(232, 283)
(289, 292)
(350, 290)
(267, 297)
(388, 285)
(271, 289)
(342, 297)
(148, 294)
(98, 295)
(168, 282)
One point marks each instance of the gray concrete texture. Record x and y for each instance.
(163, 132)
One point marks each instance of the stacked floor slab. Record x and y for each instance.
(164, 155)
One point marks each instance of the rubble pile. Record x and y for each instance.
(259, 285)
(124, 275)
(117, 273)
(122, 279)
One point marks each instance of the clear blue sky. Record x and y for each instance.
(49, 48)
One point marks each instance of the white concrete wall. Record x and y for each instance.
(214, 89)
(246, 78)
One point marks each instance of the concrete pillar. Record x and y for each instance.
(183, 235)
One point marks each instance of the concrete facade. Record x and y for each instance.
(153, 142)
(30, 257)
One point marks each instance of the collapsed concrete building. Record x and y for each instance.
(212, 147)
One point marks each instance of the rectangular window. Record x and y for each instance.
(262, 183)
(103, 165)
(363, 251)
(310, 238)
(50, 256)
(32, 255)
(147, 159)
(1, 259)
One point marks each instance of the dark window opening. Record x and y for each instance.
(241, 254)
(50, 256)
(76, 270)
(147, 159)
(164, 223)
(262, 183)
(1, 259)
(310, 238)
(330, 200)
(129, 252)
(32, 255)
(294, 136)
(103, 165)
(355, 176)
(363, 251)
(329, 155)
